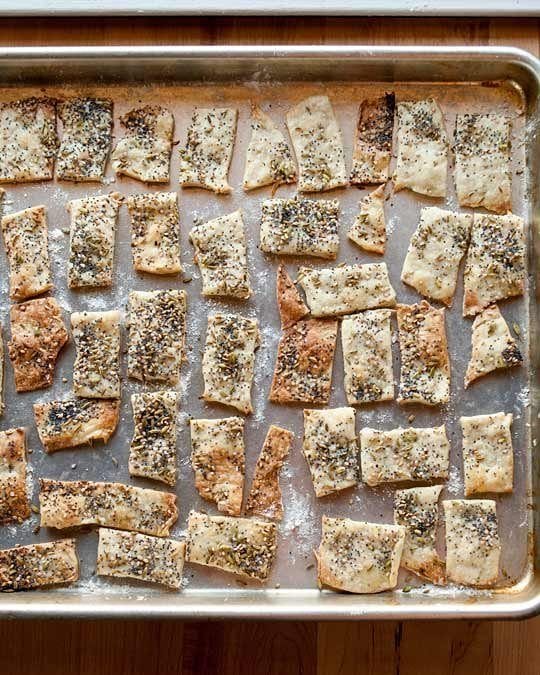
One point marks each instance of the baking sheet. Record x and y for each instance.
(300, 529)
(272, 7)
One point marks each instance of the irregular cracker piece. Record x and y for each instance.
(331, 449)
(318, 145)
(305, 358)
(145, 151)
(373, 142)
(91, 240)
(417, 510)
(28, 140)
(472, 541)
(210, 140)
(435, 251)
(300, 226)
(37, 336)
(220, 253)
(125, 507)
(495, 263)
(139, 556)
(75, 421)
(482, 171)
(359, 557)
(404, 455)
(243, 546)
(14, 503)
(37, 565)
(488, 455)
(269, 160)
(366, 341)
(155, 236)
(26, 243)
(422, 148)
(229, 359)
(369, 229)
(218, 460)
(425, 365)
(156, 335)
(346, 288)
(264, 498)
(87, 138)
(96, 371)
(493, 346)
(152, 452)
(290, 304)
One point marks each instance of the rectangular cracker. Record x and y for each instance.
(221, 254)
(28, 140)
(145, 151)
(346, 288)
(91, 240)
(417, 510)
(38, 334)
(300, 226)
(473, 547)
(243, 546)
(156, 335)
(482, 171)
(38, 565)
(269, 159)
(207, 156)
(152, 453)
(404, 455)
(155, 233)
(495, 263)
(318, 145)
(66, 504)
(493, 346)
(359, 557)
(75, 421)
(26, 243)
(366, 341)
(229, 359)
(369, 228)
(264, 498)
(138, 556)
(425, 364)
(488, 455)
(305, 358)
(96, 371)
(331, 449)
(422, 156)
(87, 138)
(373, 142)
(14, 499)
(435, 251)
(218, 461)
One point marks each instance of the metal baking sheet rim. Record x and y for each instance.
(519, 602)
(271, 7)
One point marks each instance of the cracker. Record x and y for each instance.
(243, 546)
(318, 145)
(331, 450)
(218, 460)
(359, 557)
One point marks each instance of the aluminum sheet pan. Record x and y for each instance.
(271, 8)
(479, 80)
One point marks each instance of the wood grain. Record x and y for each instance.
(259, 648)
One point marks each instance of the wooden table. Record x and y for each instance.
(257, 648)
